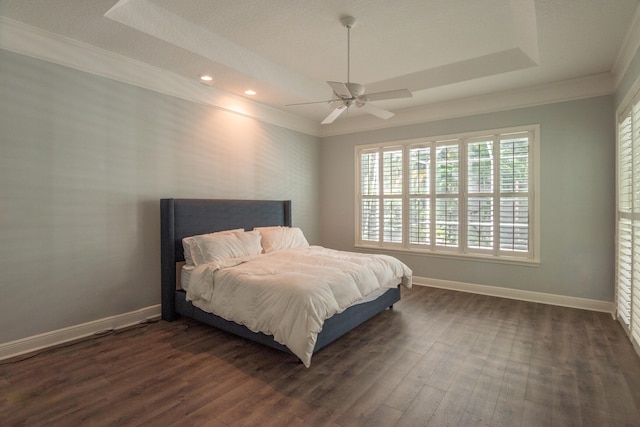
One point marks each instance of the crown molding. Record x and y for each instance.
(30, 41)
(628, 50)
(566, 90)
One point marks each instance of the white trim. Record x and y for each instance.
(517, 294)
(461, 250)
(628, 49)
(36, 43)
(72, 333)
(628, 98)
(551, 93)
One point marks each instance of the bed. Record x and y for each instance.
(182, 218)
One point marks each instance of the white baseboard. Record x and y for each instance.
(539, 297)
(60, 336)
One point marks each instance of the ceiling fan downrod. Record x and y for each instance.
(348, 22)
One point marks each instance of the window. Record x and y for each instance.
(460, 195)
(628, 220)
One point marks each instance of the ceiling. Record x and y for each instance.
(286, 50)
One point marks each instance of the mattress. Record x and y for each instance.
(185, 277)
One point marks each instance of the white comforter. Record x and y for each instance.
(290, 293)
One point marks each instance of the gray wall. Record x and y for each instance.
(577, 164)
(84, 161)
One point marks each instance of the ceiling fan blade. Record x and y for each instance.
(340, 89)
(377, 111)
(314, 102)
(390, 94)
(334, 114)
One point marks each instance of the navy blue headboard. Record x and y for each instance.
(181, 218)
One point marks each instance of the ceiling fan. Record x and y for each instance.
(349, 93)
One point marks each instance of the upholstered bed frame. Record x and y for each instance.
(187, 217)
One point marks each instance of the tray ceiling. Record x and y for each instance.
(286, 50)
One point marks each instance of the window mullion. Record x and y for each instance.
(463, 194)
(533, 213)
(381, 198)
(434, 197)
(405, 195)
(496, 196)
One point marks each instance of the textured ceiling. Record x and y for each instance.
(286, 50)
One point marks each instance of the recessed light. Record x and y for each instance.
(249, 92)
(206, 78)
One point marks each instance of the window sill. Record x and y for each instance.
(526, 262)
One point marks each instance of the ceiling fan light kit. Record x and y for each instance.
(349, 93)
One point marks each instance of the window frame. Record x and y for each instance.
(463, 195)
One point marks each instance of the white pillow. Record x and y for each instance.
(279, 238)
(192, 254)
(230, 245)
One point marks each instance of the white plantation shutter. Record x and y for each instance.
(460, 195)
(625, 266)
(624, 228)
(420, 195)
(370, 191)
(392, 220)
(628, 221)
(635, 288)
(480, 186)
(447, 183)
(392, 177)
(514, 193)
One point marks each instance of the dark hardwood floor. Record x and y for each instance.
(440, 358)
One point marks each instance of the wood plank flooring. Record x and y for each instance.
(439, 358)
